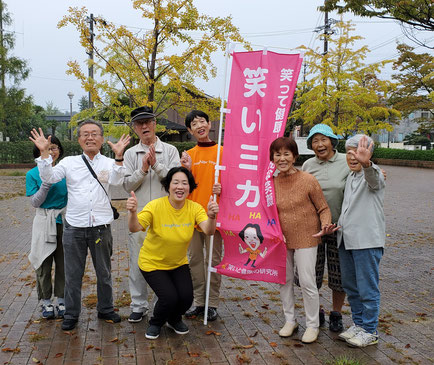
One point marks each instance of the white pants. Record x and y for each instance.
(304, 259)
(137, 283)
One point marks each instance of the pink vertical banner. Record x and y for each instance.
(261, 89)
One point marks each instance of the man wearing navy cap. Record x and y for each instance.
(146, 164)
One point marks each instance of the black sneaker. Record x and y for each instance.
(335, 324)
(153, 332)
(196, 311)
(321, 317)
(69, 324)
(111, 316)
(179, 327)
(212, 314)
(136, 317)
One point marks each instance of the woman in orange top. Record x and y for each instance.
(304, 217)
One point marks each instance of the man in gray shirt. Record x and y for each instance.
(146, 164)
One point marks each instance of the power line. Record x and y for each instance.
(49, 78)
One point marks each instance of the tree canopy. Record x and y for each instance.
(415, 91)
(416, 13)
(15, 107)
(157, 66)
(342, 91)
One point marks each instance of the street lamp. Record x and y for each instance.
(70, 96)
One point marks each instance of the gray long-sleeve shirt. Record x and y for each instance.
(147, 186)
(362, 215)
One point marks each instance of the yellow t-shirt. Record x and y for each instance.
(170, 231)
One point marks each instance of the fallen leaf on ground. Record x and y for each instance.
(59, 354)
(88, 347)
(128, 355)
(114, 339)
(273, 344)
(193, 354)
(8, 349)
(211, 332)
(255, 334)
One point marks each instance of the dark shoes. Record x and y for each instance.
(136, 317)
(321, 317)
(112, 316)
(179, 327)
(153, 332)
(212, 314)
(335, 324)
(69, 324)
(196, 311)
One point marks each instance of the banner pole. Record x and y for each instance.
(216, 179)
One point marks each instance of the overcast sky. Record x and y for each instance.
(285, 24)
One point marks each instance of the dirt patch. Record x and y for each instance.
(12, 186)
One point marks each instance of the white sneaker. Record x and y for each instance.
(350, 332)
(48, 311)
(310, 335)
(288, 329)
(363, 339)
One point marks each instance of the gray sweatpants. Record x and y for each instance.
(76, 242)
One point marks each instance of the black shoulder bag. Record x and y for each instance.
(115, 211)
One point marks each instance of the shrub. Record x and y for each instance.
(396, 154)
(183, 146)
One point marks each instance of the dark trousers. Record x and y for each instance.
(44, 280)
(174, 290)
(76, 242)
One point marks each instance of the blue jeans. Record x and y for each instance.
(360, 278)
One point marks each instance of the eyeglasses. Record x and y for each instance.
(54, 149)
(87, 135)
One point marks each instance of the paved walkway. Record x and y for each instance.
(250, 312)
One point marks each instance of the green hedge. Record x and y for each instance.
(22, 152)
(183, 146)
(395, 154)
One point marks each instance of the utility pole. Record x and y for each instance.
(90, 53)
(326, 30)
(2, 51)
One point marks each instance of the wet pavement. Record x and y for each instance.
(250, 313)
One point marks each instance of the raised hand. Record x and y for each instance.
(132, 203)
(186, 160)
(40, 141)
(363, 153)
(145, 162)
(152, 158)
(212, 208)
(120, 145)
(326, 230)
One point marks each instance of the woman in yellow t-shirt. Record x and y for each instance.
(163, 256)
